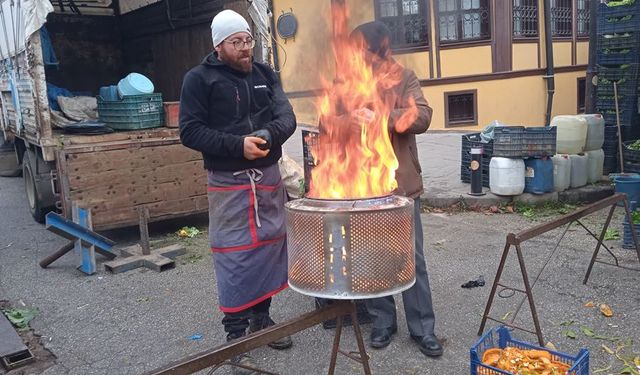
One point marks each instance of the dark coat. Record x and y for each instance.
(220, 105)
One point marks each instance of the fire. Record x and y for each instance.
(354, 155)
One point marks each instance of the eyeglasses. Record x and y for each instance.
(239, 45)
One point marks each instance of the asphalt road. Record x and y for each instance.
(133, 322)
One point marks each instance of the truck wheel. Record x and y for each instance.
(37, 186)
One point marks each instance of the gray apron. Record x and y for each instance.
(247, 235)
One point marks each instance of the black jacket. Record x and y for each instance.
(220, 105)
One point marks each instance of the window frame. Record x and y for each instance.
(525, 38)
(473, 41)
(581, 81)
(460, 123)
(423, 12)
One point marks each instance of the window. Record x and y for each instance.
(461, 108)
(463, 20)
(525, 18)
(407, 20)
(582, 93)
(561, 18)
(582, 21)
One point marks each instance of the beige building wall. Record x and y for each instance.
(561, 54)
(524, 56)
(465, 61)
(309, 53)
(582, 53)
(418, 62)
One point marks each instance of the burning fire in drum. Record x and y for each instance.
(350, 238)
(351, 249)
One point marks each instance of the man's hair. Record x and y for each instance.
(373, 34)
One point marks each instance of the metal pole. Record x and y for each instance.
(590, 95)
(549, 77)
(527, 288)
(494, 288)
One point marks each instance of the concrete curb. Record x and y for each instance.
(585, 194)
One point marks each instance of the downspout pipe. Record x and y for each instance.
(549, 77)
(590, 95)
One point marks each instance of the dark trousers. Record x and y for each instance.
(235, 324)
(418, 308)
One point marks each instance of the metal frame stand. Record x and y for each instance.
(517, 239)
(221, 355)
(141, 255)
(83, 239)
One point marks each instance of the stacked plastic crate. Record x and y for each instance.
(618, 60)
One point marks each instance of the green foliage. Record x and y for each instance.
(20, 318)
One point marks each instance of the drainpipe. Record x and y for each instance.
(590, 95)
(549, 49)
(274, 43)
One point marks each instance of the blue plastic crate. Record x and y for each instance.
(616, 49)
(626, 76)
(501, 338)
(618, 19)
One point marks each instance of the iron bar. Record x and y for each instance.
(595, 253)
(553, 252)
(511, 288)
(222, 353)
(527, 287)
(492, 295)
(596, 237)
(584, 211)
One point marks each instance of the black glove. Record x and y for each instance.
(263, 134)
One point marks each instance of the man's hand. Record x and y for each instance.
(251, 150)
(361, 118)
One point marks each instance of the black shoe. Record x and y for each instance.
(262, 322)
(429, 345)
(381, 337)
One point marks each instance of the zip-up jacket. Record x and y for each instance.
(219, 106)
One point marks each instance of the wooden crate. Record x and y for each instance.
(115, 174)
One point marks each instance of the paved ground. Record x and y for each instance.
(136, 321)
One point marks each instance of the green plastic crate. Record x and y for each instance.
(132, 112)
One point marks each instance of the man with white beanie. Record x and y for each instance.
(235, 112)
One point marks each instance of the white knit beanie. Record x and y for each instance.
(227, 23)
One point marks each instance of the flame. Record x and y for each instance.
(354, 155)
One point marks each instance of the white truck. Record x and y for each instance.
(84, 45)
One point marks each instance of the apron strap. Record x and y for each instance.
(255, 175)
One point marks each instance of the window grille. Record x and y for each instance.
(463, 20)
(407, 20)
(583, 16)
(561, 18)
(461, 108)
(525, 18)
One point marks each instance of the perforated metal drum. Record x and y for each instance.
(351, 249)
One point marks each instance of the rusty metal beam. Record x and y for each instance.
(220, 354)
(516, 239)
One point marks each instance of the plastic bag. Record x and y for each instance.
(292, 176)
(486, 135)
